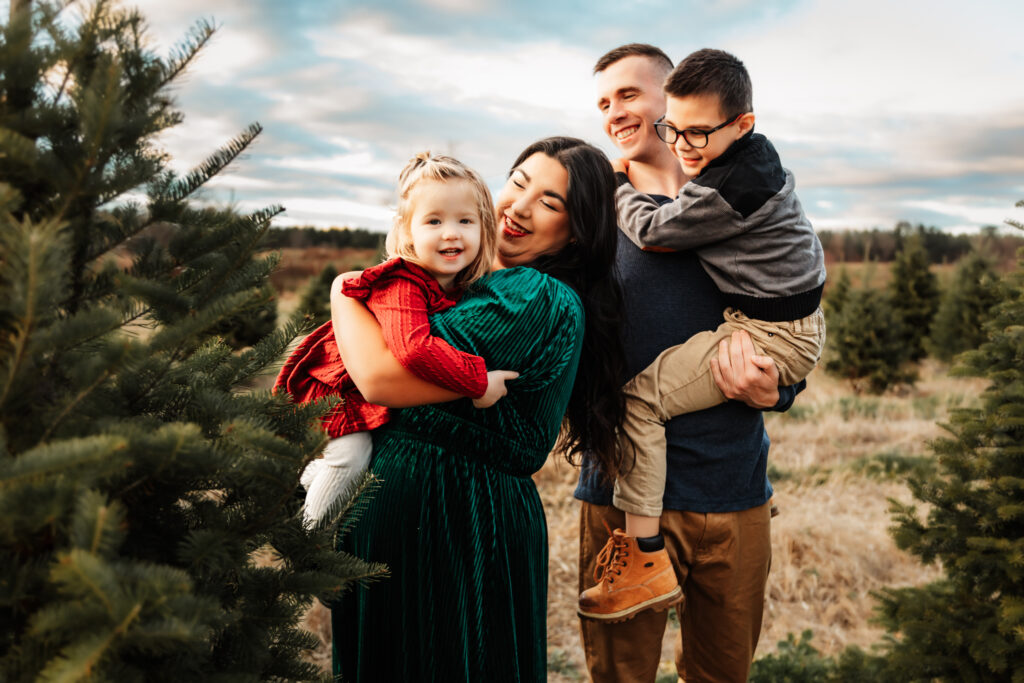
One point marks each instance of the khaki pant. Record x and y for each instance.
(722, 561)
(680, 381)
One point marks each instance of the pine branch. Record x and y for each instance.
(265, 353)
(213, 165)
(259, 220)
(85, 392)
(16, 147)
(185, 52)
(32, 253)
(87, 457)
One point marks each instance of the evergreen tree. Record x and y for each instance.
(316, 299)
(139, 483)
(966, 306)
(914, 293)
(258, 321)
(866, 342)
(836, 296)
(970, 625)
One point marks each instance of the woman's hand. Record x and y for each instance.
(377, 374)
(745, 375)
(495, 388)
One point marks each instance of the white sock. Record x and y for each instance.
(344, 463)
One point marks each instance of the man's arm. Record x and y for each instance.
(744, 375)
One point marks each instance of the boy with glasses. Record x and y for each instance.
(740, 214)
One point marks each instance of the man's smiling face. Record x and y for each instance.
(630, 98)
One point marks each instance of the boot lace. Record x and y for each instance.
(611, 560)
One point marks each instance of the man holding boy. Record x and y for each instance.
(715, 523)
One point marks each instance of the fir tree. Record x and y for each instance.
(914, 293)
(316, 299)
(258, 321)
(866, 342)
(836, 296)
(970, 625)
(138, 481)
(966, 306)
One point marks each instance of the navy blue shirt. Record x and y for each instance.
(717, 458)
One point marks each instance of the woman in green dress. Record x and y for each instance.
(457, 518)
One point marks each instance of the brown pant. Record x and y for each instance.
(722, 561)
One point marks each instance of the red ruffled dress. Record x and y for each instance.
(400, 295)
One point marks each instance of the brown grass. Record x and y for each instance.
(830, 543)
(298, 265)
(831, 546)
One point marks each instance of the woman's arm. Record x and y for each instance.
(380, 378)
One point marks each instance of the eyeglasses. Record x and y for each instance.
(694, 137)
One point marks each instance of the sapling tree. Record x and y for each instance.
(149, 515)
(969, 625)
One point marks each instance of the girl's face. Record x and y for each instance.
(445, 227)
(531, 211)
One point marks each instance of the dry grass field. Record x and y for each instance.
(836, 460)
(298, 265)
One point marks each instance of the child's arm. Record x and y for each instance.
(495, 388)
(401, 308)
(696, 217)
(380, 378)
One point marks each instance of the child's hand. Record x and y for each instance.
(495, 388)
(620, 166)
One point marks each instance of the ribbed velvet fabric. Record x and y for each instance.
(457, 518)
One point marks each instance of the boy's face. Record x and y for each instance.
(702, 112)
(630, 98)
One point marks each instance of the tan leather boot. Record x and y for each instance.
(629, 581)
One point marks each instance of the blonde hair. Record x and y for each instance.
(440, 168)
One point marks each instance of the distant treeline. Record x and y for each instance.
(850, 246)
(941, 247)
(304, 237)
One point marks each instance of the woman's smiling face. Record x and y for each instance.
(531, 211)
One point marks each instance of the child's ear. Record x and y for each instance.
(746, 123)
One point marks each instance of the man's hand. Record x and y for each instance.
(743, 374)
(495, 388)
(620, 166)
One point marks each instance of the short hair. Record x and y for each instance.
(633, 50)
(441, 168)
(713, 72)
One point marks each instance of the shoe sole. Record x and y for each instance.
(659, 603)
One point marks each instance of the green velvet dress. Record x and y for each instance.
(457, 518)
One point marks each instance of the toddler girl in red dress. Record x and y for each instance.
(443, 239)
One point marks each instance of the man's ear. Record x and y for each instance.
(746, 123)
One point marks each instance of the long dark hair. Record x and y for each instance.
(587, 264)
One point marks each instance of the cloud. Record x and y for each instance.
(883, 58)
(196, 139)
(884, 111)
(328, 212)
(511, 81)
(971, 209)
(238, 46)
(232, 181)
(458, 6)
(362, 163)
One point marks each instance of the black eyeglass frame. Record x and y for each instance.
(662, 129)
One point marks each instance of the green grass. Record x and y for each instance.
(560, 663)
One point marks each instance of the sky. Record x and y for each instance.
(883, 110)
